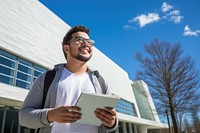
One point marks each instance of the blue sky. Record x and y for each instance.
(121, 28)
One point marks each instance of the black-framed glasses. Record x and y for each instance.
(83, 40)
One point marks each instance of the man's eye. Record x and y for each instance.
(89, 41)
(79, 39)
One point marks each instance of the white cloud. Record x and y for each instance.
(175, 12)
(174, 16)
(126, 27)
(146, 19)
(176, 19)
(169, 13)
(166, 7)
(189, 32)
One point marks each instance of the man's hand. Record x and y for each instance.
(64, 114)
(107, 116)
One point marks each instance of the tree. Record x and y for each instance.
(196, 121)
(172, 78)
(187, 126)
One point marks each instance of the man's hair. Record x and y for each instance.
(68, 36)
(73, 30)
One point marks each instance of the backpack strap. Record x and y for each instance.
(101, 81)
(47, 82)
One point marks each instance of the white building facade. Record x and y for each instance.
(30, 44)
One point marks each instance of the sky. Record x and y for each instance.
(120, 28)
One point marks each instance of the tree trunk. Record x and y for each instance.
(174, 119)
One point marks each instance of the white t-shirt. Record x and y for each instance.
(69, 89)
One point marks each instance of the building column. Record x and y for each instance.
(4, 119)
(142, 128)
(130, 128)
(124, 127)
(135, 128)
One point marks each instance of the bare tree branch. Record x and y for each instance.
(173, 79)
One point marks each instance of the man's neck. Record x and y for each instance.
(76, 68)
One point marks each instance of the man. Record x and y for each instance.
(60, 113)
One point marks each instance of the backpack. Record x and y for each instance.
(51, 74)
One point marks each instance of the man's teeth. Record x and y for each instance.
(84, 50)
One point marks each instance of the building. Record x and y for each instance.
(30, 44)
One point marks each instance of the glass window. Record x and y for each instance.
(7, 67)
(7, 59)
(36, 73)
(143, 104)
(126, 107)
(7, 62)
(17, 71)
(6, 71)
(23, 76)
(24, 66)
(6, 79)
(38, 70)
(22, 84)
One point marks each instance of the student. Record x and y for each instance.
(60, 113)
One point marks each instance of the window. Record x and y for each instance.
(7, 67)
(37, 71)
(126, 107)
(24, 75)
(17, 71)
(143, 104)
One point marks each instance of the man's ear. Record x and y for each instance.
(66, 48)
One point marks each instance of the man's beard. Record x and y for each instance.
(80, 57)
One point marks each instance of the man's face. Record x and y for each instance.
(80, 47)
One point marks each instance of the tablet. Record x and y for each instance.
(88, 102)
